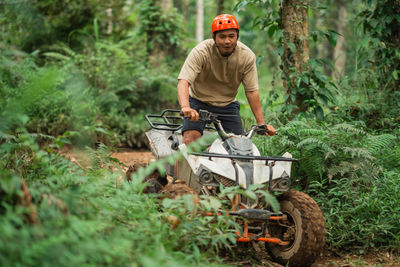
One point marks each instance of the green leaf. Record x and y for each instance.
(272, 29)
(96, 29)
(319, 112)
(305, 79)
(56, 56)
(250, 194)
(292, 47)
(259, 60)
(298, 81)
(395, 74)
(240, 5)
(332, 37)
(270, 199)
(279, 34)
(280, 50)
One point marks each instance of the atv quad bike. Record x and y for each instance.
(293, 236)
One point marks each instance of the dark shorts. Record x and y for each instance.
(231, 124)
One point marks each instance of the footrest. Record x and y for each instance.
(255, 214)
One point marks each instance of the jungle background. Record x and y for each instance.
(82, 75)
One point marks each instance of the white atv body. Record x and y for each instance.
(209, 171)
(232, 161)
(294, 236)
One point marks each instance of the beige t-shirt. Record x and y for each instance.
(215, 79)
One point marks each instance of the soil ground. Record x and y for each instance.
(247, 255)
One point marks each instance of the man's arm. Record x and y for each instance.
(255, 104)
(183, 99)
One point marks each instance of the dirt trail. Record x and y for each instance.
(131, 157)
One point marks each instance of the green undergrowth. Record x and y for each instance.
(101, 93)
(93, 216)
(351, 172)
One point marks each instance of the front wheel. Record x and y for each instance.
(303, 226)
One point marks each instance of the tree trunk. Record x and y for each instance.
(220, 7)
(155, 51)
(109, 14)
(26, 200)
(294, 14)
(166, 5)
(185, 8)
(199, 21)
(340, 49)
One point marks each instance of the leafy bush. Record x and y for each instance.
(162, 29)
(35, 25)
(364, 99)
(54, 101)
(104, 100)
(359, 214)
(91, 216)
(353, 176)
(324, 151)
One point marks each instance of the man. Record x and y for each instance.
(210, 78)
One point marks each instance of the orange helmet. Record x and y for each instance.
(224, 22)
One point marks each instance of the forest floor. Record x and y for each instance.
(247, 255)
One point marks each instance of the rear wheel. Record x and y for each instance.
(303, 226)
(173, 191)
(155, 181)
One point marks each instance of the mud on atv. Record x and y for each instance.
(293, 236)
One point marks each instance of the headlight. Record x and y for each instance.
(282, 183)
(206, 177)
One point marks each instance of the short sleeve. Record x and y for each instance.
(192, 66)
(250, 77)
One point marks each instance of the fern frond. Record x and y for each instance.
(62, 47)
(311, 132)
(284, 141)
(356, 152)
(297, 124)
(376, 144)
(312, 164)
(348, 128)
(42, 136)
(56, 55)
(7, 137)
(343, 168)
(313, 143)
(94, 158)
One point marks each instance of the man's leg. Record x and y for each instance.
(233, 123)
(190, 136)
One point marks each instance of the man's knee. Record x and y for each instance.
(190, 136)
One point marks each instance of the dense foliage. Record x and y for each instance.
(83, 74)
(92, 217)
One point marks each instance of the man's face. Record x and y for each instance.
(226, 41)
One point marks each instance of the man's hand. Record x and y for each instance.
(190, 114)
(271, 130)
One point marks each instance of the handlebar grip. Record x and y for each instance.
(204, 115)
(261, 129)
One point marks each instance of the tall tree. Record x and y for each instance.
(199, 21)
(162, 27)
(294, 15)
(340, 48)
(382, 22)
(220, 7)
(166, 5)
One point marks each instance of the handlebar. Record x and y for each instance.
(166, 124)
(204, 116)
